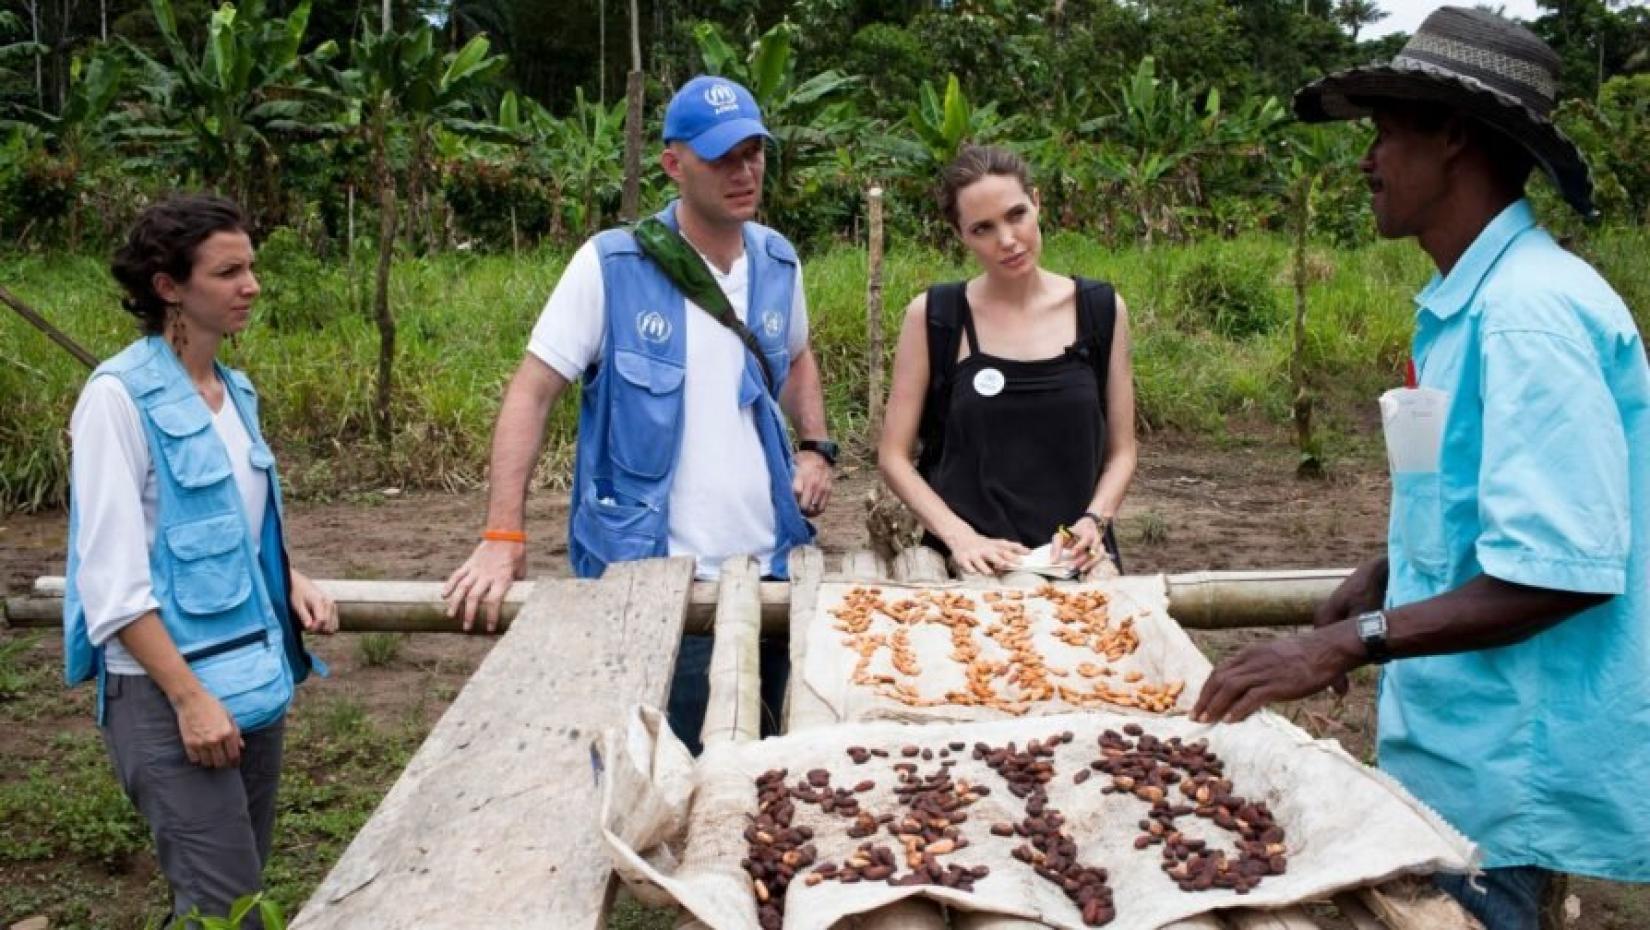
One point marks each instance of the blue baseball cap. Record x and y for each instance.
(712, 115)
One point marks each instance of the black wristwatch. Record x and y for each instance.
(1372, 631)
(826, 449)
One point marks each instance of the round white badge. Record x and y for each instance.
(989, 382)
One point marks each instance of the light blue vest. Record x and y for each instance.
(226, 610)
(630, 413)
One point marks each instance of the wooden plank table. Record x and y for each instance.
(491, 823)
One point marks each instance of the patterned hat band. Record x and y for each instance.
(1534, 85)
(1475, 63)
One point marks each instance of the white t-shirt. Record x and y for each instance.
(719, 498)
(116, 500)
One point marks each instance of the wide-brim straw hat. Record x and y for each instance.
(1488, 68)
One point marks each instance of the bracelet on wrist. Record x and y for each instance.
(1100, 523)
(515, 536)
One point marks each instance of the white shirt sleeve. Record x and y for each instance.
(108, 469)
(568, 334)
(799, 316)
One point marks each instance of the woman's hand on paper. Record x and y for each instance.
(983, 556)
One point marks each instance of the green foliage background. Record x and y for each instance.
(1156, 129)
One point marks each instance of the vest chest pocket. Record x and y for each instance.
(209, 572)
(194, 455)
(646, 413)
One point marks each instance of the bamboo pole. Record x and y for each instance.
(1197, 600)
(33, 318)
(920, 565)
(1231, 600)
(873, 314)
(733, 712)
(804, 708)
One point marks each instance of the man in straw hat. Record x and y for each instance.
(1512, 601)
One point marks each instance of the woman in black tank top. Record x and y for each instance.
(1016, 385)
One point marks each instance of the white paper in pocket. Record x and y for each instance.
(1413, 419)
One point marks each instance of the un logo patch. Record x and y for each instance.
(721, 95)
(771, 324)
(653, 327)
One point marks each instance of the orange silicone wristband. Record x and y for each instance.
(515, 536)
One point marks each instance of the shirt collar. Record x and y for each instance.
(1444, 295)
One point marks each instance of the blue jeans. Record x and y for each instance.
(690, 687)
(1510, 899)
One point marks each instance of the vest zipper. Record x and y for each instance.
(207, 652)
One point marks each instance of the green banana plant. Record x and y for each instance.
(400, 85)
(942, 124)
(811, 120)
(1309, 159)
(1157, 131)
(588, 157)
(231, 106)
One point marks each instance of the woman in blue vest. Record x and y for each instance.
(1017, 384)
(180, 601)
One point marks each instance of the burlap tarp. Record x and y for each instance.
(675, 826)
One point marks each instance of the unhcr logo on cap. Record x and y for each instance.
(712, 115)
(721, 97)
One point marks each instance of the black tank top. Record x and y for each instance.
(1023, 441)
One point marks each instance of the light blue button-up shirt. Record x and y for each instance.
(1540, 751)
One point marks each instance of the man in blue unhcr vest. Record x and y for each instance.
(682, 447)
(1517, 699)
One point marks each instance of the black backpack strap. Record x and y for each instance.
(1097, 313)
(944, 338)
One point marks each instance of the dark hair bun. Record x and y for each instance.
(163, 241)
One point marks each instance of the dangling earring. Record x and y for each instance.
(180, 333)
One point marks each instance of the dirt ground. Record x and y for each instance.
(1192, 506)
(1234, 504)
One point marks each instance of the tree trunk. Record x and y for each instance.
(39, 60)
(873, 314)
(630, 207)
(1310, 465)
(386, 17)
(349, 250)
(381, 300)
(601, 52)
(418, 205)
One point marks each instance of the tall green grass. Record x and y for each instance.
(1210, 327)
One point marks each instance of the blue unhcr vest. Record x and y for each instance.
(225, 609)
(630, 411)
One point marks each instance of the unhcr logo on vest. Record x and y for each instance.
(653, 327)
(721, 98)
(771, 323)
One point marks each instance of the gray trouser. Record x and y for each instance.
(212, 827)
